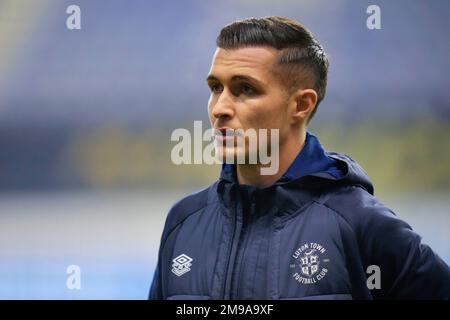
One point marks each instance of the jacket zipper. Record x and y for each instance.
(245, 245)
(230, 251)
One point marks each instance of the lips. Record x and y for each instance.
(226, 132)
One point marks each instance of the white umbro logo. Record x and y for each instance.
(181, 264)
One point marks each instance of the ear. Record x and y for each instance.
(305, 102)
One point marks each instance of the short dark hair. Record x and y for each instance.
(301, 53)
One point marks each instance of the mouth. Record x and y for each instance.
(225, 133)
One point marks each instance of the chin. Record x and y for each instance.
(223, 153)
(235, 155)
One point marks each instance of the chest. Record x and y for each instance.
(264, 256)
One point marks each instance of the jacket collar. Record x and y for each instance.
(311, 160)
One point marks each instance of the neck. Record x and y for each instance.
(250, 174)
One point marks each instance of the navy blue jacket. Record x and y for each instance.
(317, 233)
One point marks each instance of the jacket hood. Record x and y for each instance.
(319, 167)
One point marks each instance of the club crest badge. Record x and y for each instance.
(309, 263)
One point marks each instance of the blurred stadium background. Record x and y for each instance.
(86, 117)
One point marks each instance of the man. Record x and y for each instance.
(313, 230)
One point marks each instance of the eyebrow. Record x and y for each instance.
(236, 78)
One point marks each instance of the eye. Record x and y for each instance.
(247, 89)
(216, 88)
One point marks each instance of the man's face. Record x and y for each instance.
(246, 94)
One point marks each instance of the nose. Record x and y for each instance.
(222, 106)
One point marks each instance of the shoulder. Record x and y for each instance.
(186, 207)
(364, 213)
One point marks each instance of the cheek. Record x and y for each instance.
(269, 115)
(266, 112)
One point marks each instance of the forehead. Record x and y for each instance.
(252, 61)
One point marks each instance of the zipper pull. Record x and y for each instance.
(253, 204)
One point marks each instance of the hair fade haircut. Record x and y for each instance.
(302, 58)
